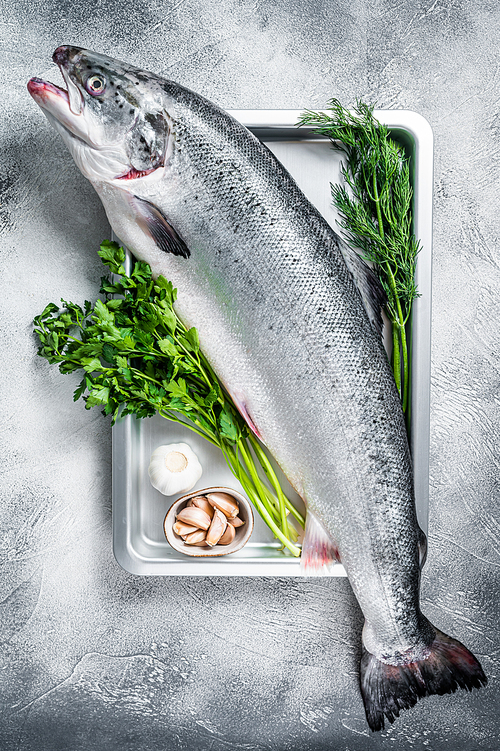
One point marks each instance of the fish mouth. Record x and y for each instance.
(47, 95)
(64, 105)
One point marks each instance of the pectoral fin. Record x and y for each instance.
(155, 224)
(240, 404)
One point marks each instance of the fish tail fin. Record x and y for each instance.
(387, 689)
(319, 553)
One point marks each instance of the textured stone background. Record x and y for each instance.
(93, 658)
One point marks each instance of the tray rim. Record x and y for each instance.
(419, 131)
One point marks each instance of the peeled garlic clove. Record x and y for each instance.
(228, 535)
(236, 521)
(183, 529)
(216, 529)
(174, 468)
(200, 502)
(225, 503)
(196, 517)
(195, 537)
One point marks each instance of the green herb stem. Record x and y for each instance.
(377, 206)
(396, 359)
(195, 428)
(397, 329)
(284, 502)
(406, 369)
(262, 508)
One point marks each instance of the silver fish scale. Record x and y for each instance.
(314, 376)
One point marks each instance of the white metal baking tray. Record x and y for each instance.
(138, 510)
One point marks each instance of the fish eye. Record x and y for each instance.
(95, 84)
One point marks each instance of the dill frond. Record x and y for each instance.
(375, 212)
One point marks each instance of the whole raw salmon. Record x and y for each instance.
(291, 324)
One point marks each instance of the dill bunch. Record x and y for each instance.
(375, 212)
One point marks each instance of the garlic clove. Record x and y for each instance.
(195, 537)
(195, 517)
(216, 529)
(225, 503)
(174, 468)
(201, 502)
(180, 528)
(236, 521)
(228, 536)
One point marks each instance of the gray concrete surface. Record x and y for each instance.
(94, 659)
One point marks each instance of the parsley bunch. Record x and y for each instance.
(375, 212)
(138, 358)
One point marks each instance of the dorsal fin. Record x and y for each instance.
(422, 546)
(370, 288)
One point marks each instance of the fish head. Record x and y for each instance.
(110, 116)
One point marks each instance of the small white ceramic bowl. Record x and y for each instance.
(240, 538)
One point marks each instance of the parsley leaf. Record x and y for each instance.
(137, 358)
